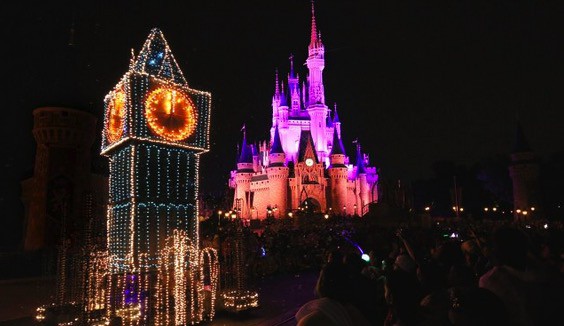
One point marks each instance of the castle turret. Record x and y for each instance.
(338, 175)
(336, 121)
(524, 172)
(315, 63)
(278, 175)
(294, 89)
(316, 107)
(362, 187)
(256, 158)
(275, 98)
(243, 179)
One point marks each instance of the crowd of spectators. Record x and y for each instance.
(457, 272)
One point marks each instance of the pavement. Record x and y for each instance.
(280, 297)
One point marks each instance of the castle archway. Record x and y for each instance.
(310, 205)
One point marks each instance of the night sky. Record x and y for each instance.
(414, 81)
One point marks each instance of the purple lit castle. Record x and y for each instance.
(304, 166)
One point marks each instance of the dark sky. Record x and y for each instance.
(415, 81)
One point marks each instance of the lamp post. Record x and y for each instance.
(219, 215)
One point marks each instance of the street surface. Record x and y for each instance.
(280, 296)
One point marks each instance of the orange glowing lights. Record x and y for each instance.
(116, 108)
(170, 114)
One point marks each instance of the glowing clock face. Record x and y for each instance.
(170, 114)
(309, 162)
(116, 113)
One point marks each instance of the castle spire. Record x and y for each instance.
(314, 33)
(292, 74)
(276, 143)
(246, 155)
(283, 99)
(335, 115)
(338, 147)
(360, 169)
(276, 87)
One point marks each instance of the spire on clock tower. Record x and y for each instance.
(156, 59)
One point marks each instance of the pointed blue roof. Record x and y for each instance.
(283, 100)
(292, 74)
(156, 59)
(338, 147)
(276, 143)
(360, 169)
(246, 152)
(335, 115)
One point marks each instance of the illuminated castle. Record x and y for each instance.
(155, 129)
(304, 165)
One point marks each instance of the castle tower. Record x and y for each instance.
(54, 198)
(338, 175)
(242, 199)
(277, 176)
(294, 89)
(524, 173)
(316, 105)
(362, 186)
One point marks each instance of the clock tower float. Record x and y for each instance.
(155, 130)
